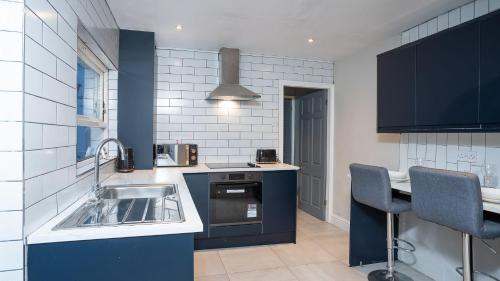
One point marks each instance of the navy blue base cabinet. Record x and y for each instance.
(368, 234)
(151, 258)
(198, 187)
(279, 213)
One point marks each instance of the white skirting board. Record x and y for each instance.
(340, 222)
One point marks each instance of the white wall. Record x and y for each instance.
(356, 139)
(225, 131)
(11, 155)
(439, 248)
(38, 115)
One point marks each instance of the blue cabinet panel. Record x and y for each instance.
(396, 88)
(279, 201)
(490, 71)
(136, 94)
(151, 258)
(456, 81)
(199, 189)
(448, 78)
(235, 230)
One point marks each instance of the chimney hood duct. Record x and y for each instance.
(229, 73)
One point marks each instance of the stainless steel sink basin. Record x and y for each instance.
(128, 204)
(137, 191)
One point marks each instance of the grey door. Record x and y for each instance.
(312, 117)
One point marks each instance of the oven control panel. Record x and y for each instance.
(235, 176)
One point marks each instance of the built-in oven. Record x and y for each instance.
(235, 198)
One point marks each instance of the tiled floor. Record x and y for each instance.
(321, 253)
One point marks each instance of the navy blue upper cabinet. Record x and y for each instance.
(453, 75)
(489, 113)
(448, 78)
(396, 89)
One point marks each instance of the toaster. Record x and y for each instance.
(266, 156)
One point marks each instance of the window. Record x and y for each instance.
(91, 108)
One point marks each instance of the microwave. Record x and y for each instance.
(176, 155)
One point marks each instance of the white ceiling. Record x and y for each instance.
(276, 27)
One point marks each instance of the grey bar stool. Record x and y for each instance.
(371, 186)
(453, 199)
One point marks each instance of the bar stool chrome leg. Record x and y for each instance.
(467, 270)
(389, 274)
(467, 257)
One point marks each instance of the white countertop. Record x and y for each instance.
(202, 168)
(171, 175)
(406, 187)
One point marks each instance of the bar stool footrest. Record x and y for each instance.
(408, 247)
(460, 271)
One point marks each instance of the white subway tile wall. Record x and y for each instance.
(51, 180)
(11, 150)
(46, 84)
(468, 152)
(225, 131)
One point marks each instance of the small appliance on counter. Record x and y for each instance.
(127, 165)
(266, 156)
(176, 155)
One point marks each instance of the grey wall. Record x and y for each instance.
(356, 139)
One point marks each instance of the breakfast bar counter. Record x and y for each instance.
(368, 227)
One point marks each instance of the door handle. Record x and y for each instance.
(235, 191)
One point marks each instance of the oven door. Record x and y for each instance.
(235, 203)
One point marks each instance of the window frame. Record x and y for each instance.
(91, 60)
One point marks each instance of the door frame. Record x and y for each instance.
(330, 88)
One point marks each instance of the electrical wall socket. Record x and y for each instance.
(467, 156)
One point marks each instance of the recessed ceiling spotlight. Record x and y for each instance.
(310, 40)
(178, 27)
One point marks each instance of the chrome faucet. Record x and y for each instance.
(96, 189)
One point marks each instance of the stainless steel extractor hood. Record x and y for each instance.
(229, 73)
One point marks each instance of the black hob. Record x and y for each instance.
(231, 165)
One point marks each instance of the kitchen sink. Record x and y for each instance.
(128, 204)
(137, 191)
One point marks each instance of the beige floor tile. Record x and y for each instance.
(320, 230)
(336, 246)
(304, 252)
(331, 271)
(301, 235)
(208, 263)
(275, 274)
(223, 277)
(249, 259)
(305, 218)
